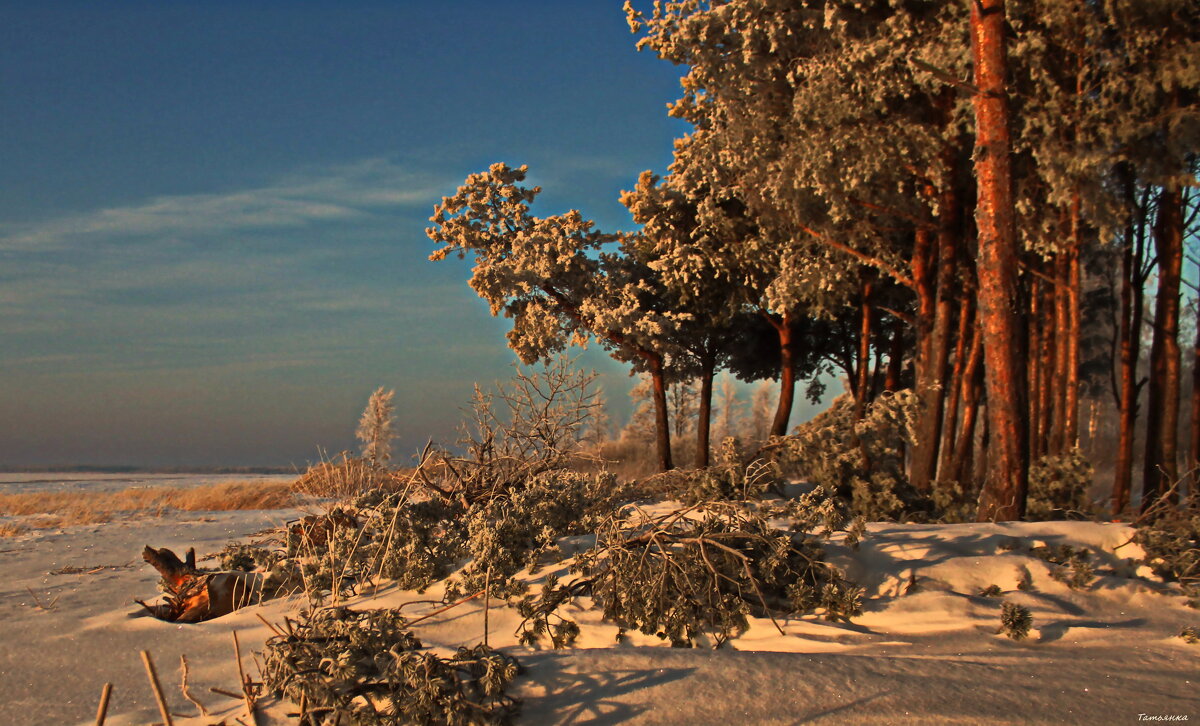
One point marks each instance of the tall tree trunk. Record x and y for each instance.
(1048, 357)
(1193, 463)
(1004, 491)
(961, 467)
(895, 366)
(977, 461)
(1130, 324)
(787, 373)
(1071, 414)
(662, 425)
(966, 324)
(929, 396)
(877, 373)
(1059, 385)
(1162, 418)
(947, 300)
(707, 373)
(862, 387)
(1034, 369)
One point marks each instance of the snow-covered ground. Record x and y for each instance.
(924, 651)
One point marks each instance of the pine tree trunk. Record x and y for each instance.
(1049, 335)
(1034, 369)
(970, 410)
(977, 461)
(1162, 418)
(707, 373)
(1130, 322)
(862, 387)
(662, 426)
(1071, 414)
(929, 397)
(1193, 464)
(947, 300)
(895, 366)
(1004, 491)
(787, 374)
(1060, 332)
(966, 323)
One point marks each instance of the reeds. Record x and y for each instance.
(348, 476)
(83, 507)
(11, 529)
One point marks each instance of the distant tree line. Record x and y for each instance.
(953, 197)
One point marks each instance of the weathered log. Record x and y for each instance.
(193, 596)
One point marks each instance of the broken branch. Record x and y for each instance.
(158, 693)
(102, 709)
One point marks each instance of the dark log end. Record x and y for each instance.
(169, 566)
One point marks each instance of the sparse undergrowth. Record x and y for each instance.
(1170, 537)
(1058, 487)
(364, 668)
(1069, 565)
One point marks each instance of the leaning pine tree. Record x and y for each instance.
(558, 279)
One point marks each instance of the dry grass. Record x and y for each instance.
(11, 529)
(65, 508)
(348, 476)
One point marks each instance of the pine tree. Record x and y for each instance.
(1003, 495)
(558, 279)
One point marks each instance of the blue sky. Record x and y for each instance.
(212, 214)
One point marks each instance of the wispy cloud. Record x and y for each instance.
(320, 195)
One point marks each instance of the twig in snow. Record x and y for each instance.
(102, 709)
(183, 666)
(158, 693)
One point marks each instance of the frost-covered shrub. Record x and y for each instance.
(1015, 620)
(1069, 565)
(414, 543)
(363, 668)
(1170, 536)
(728, 479)
(954, 502)
(510, 533)
(418, 542)
(1058, 486)
(697, 571)
(247, 558)
(280, 574)
(863, 461)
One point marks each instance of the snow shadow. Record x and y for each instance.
(586, 698)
